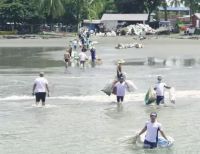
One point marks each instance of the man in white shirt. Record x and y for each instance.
(83, 57)
(120, 88)
(152, 128)
(160, 90)
(40, 88)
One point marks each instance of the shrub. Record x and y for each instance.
(8, 32)
(197, 31)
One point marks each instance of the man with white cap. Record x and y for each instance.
(40, 88)
(152, 128)
(160, 90)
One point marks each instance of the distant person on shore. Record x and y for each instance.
(67, 58)
(83, 57)
(152, 128)
(40, 89)
(160, 90)
(143, 34)
(120, 89)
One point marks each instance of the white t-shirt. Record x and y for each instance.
(121, 88)
(40, 83)
(160, 88)
(152, 131)
(83, 56)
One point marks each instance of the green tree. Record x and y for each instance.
(150, 6)
(130, 6)
(175, 3)
(164, 4)
(51, 8)
(95, 8)
(12, 12)
(193, 5)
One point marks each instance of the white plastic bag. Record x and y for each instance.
(131, 87)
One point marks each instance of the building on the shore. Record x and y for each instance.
(196, 20)
(173, 12)
(184, 19)
(111, 21)
(92, 24)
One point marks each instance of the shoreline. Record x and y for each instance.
(63, 42)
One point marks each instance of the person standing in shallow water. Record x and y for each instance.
(93, 54)
(40, 88)
(120, 89)
(82, 57)
(152, 128)
(119, 71)
(160, 90)
(67, 58)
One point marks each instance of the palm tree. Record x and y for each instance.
(190, 4)
(90, 9)
(53, 8)
(165, 5)
(95, 7)
(175, 3)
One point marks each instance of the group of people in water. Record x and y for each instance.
(152, 127)
(120, 86)
(84, 44)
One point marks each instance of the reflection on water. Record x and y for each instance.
(154, 61)
(27, 58)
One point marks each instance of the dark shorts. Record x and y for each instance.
(159, 99)
(40, 96)
(150, 145)
(120, 99)
(82, 62)
(66, 60)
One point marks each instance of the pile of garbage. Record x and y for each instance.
(139, 29)
(129, 45)
(112, 33)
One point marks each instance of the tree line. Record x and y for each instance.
(72, 12)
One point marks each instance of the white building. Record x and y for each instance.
(111, 21)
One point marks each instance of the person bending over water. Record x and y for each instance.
(152, 128)
(40, 88)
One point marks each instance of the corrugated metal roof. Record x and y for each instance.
(197, 15)
(174, 9)
(125, 17)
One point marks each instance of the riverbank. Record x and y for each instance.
(64, 41)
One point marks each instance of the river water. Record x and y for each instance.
(79, 118)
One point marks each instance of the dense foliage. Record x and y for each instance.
(72, 12)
